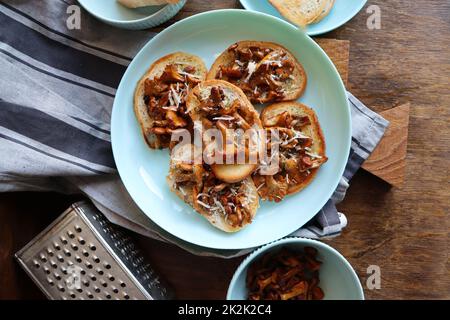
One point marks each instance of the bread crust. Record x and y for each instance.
(299, 74)
(314, 131)
(325, 12)
(140, 108)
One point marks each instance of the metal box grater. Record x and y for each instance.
(81, 255)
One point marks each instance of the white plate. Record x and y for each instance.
(143, 170)
(342, 12)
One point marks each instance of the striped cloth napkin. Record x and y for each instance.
(56, 94)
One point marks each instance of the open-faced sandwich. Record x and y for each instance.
(220, 105)
(265, 71)
(301, 148)
(160, 96)
(227, 206)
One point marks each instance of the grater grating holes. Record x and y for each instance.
(74, 246)
(56, 246)
(53, 264)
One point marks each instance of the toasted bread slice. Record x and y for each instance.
(304, 127)
(244, 117)
(196, 193)
(300, 12)
(325, 12)
(265, 71)
(146, 120)
(144, 3)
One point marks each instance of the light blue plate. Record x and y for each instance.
(342, 12)
(113, 13)
(338, 280)
(143, 170)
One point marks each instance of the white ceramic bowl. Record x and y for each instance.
(338, 280)
(115, 14)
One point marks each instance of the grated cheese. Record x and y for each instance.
(220, 206)
(313, 155)
(189, 74)
(251, 67)
(203, 204)
(224, 118)
(260, 186)
(175, 96)
(277, 62)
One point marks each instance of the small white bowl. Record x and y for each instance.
(115, 14)
(338, 280)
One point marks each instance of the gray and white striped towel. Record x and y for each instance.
(56, 93)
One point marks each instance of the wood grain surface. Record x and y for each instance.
(388, 160)
(403, 231)
(339, 53)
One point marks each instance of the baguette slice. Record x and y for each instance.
(230, 173)
(144, 3)
(188, 192)
(269, 118)
(156, 69)
(292, 88)
(325, 12)
(300, 12)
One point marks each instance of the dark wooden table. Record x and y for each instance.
(404, 231)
